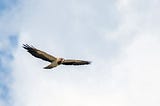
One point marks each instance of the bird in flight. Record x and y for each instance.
(55, 61)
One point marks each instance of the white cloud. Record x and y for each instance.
(142, 69)
(125, 57)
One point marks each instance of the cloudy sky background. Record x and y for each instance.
(120, 37)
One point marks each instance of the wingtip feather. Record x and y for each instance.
(89, 62)
(27, 47)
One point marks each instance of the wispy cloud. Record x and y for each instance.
(8, 43)
(120, 37)
(7, 46)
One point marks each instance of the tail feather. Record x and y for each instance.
(52, 65)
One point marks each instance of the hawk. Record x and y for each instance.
(55, 61)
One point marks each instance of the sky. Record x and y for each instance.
(120, 37)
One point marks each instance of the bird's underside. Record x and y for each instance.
(53, 60)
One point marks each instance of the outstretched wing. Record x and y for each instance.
(75, 62)
(38, 53)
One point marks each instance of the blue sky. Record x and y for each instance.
(8, 44)
(6, 57)
(120, 37)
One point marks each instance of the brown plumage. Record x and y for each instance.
(54, 60)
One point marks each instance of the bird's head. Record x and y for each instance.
(60, 60)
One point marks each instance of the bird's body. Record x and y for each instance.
(55, 63)
(54, 60)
